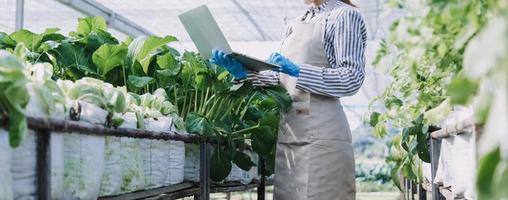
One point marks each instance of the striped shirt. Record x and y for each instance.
(345, 40)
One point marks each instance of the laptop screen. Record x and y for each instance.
(204, 31)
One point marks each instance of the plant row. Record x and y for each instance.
(145, 76)
(443, 55)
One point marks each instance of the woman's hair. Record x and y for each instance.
(348, 2)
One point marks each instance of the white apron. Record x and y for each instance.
(314, 158)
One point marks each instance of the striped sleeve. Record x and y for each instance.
(263, 78)
(346, 54)
(268, 78)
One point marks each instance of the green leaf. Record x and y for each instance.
(13, 96)
(32, 40)
(280, 95)
(73, 59)
(6, 41)
(98, 38)
(500, 180)
(423, 147)
(486, 170)
(168, 62)
(380, 130)
(88, 24)
(149, 49)
(109, 56)
(263, 140)
(220, 164)
(140, 121)
(393, 102)
(374, 119)
(243, 161)
(269, 163)
(462, 90)
(197, 124)
(116, 100)
(140, 82)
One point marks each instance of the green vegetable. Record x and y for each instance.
(14, 95)
(109, 56)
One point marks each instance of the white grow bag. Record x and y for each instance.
(5, 166)
(133, 176)
(242, 176)
(24, 157)
(457, 160)
(112, 178)
(177, 161)
(84, 157)
(191, 171)
(156, 154)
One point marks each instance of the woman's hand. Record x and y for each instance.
(234, 67)
(286, 66)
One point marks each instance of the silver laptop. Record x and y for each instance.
(206, 35)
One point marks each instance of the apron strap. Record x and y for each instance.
(328, 8)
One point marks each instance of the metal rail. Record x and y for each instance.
(45, 127)
(114, 20)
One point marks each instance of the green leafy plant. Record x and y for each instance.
(14, 95)
(154, 79)
(425, 55)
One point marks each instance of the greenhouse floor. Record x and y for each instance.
(269, 196)
(383, 193)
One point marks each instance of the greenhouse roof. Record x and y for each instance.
(241, 20)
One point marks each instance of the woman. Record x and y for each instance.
(321, 60)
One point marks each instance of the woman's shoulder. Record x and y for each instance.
(344, 11)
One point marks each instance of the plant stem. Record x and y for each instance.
(242, 132)
(196, 100)
(245, 108)
(213, 108)
(125, 78)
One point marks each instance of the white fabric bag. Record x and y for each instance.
(236, 174)
(133, 177)
(177, 160)
(112, 179)
(84, 157)
(156, 154)
(191, 171)
(5, 166)
(457, 161)
(254, 170)
(240, 175)
(57, 160)
(24, 162)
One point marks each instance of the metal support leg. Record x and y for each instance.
(404, 182)
(422, 194)
(20, 12)
(435, 148)
(43, 165)
(413, 190)
(204, 171)
(262, 181)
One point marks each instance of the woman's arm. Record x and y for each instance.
(347, 58)
(268, 78)
(264, 78)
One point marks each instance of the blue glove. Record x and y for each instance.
(234, 67)
(286, 66)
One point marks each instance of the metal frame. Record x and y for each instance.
(113, 19)
(435, 149)
(20, 14)
(251, 19)
(45, 127)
